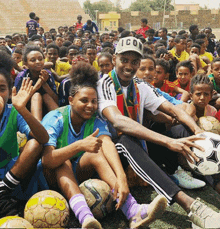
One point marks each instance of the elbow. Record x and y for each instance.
(44, 140)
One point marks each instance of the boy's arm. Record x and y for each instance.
(180, 115)
(111, 155)
(27, 31)
(128, 126)
(185, 94)
(19, 101)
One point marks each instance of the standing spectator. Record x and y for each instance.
(144, 27)
(31, 26)
(194, 31)
(162, 33)
(78, 24)
(90, 25)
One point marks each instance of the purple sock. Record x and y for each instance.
(131, 207)
(80, 208)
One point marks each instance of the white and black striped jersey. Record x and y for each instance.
(150, 99)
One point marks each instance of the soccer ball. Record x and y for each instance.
(209, 162)
(22, 139)
(47, 209)
(209, 123)
(98, 196)
(14, 222)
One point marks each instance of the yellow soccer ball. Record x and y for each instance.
(14, 222)
(47, 209)
(209, 124)
(98, 196)
(22, 139)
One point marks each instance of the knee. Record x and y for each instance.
(34, 147)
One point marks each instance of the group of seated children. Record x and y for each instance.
(83, 104)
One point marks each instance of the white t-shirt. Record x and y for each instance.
(150, 99)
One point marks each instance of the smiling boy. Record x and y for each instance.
(122, 100)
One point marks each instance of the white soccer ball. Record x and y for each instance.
(209, 162)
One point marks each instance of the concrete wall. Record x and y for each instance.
(185, 18)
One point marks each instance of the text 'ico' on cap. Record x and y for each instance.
(127, 44)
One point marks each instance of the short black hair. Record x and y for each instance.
(88, 46)
(163, 29)
(53, 46)
(32, 15)
(217, 59)
(150, 31)
(161, 51)
(186, 63)
(178, 38)
(195, 45)
(164, 64)
(144, 20)
(200, 41)
(192, 27)
(63, 51)
(201, 36)
(30, 48)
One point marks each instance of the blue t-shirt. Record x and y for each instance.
(26, 73)
(32, 26)
(169, 98)
(90, 28)
(22, 125)
(53, 123)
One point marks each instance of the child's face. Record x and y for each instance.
(59, 41)
(171, 42)
(160, 74)
(52, 55)
(17, 57)
(71, 54)
(84, 103)
(78, 42)
(2, 42)
(91, 54)
(194, 50)
(146, 71)
(150, 36)
(4, 91)
(201, 95)
(203, 48)
(216, 70)
(105, 65)
(184, 75)
(35, 61)
(181, 46)
(48, 41)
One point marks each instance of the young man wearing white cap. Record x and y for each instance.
(122, 100)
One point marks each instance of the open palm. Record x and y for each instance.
(20, 99)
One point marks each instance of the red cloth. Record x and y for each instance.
(142, 30)
(167, 87)
(218, 115)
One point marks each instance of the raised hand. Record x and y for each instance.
(20, 99)
(91, 143)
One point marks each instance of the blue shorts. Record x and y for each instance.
(36, 183)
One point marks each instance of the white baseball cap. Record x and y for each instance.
(127, 44)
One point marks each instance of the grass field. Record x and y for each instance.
(174, 217)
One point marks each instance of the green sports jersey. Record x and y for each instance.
(8, 141)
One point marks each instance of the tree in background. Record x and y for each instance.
(102, 6)
(149, 5)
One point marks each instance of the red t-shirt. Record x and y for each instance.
(177, 83)
(142, 30)
(78, 26)
(167, 87)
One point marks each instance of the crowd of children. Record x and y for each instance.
(92, 104)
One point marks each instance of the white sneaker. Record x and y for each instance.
(186, 180)
(202, 216)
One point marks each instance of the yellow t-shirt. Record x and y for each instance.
(207, 54)
(95, 65)
(184, 55)
(61, 68)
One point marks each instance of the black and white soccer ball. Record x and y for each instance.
(209, 162)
